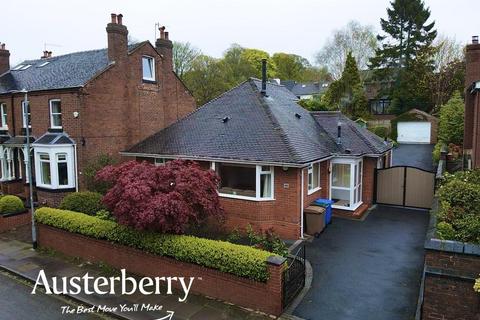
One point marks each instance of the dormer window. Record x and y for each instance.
(3, 116)
(55, 114)
(148, 67)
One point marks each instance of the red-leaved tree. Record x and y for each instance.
(166, 198)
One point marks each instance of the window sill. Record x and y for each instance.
(310, 192)
(55, 189)
(234, 196)
(55, 129)
(151, 81)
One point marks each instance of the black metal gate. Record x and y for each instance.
(294, 275)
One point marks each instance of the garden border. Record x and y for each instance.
(241, 291)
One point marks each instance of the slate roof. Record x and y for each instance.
(355, 140)
(66, 71)
(51, 138)
(241, 124)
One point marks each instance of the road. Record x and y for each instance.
(414, 155)
(17, 302)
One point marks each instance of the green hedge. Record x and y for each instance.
(11, 204)
(239, 260)
(85, 202)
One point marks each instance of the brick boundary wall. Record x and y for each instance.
(449, 275)
(266, 297)
(14, 221)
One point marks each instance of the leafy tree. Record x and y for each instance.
(316, 74)
(450, 129)
(91, 169)
(206, 79)
(184, 54)
(315, 104)
(355, 38)
(253, 59)
(347, 93)
(290, 66)
(167, 198)
(405, 54)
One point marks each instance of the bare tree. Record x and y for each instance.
(355, 38)
(183, 56)
(447, 50)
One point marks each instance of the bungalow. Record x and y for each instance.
(274, 158)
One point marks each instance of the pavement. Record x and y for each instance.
(367, 270)
(17, 257)
(414, 155)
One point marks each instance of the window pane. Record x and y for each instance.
(237, 180)
(3, 111)
(341, 197)
(266, 186)
(62, 174)
(316, 174)
(147, 67)
(45, 171)
(341, 175)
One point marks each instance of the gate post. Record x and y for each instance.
(375, 172)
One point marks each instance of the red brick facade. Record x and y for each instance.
(213, 283)
(471, 138)
(14, 221)
(448, 290)
(114, 110)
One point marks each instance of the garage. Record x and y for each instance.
(414, 132)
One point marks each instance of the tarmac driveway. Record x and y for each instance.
(414, 155)
(367, 270)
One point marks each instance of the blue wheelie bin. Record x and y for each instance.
(327, 204)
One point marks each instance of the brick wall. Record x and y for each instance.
(51, 198)
(14, 221)
(266, 297)
(448, 288)
(368, 182)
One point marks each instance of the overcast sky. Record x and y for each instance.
(299, 26)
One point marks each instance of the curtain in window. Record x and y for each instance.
(341, 175)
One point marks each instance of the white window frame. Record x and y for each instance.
(53, 152)
(152, 59)
(29, 114)
(258, 172)
(352, 188)
(8, 167)
(55, 114)
(311, 190)
(3, 116)
(159, 161)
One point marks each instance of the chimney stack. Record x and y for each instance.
(4, 59)
(472, 74)
(264, 77)
(165, 48)
(117, 39)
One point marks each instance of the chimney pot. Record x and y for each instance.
(114, 18)
(166, 35)
(2, 46)
(162, 32)
(474, 39)
(119, 18)
(339, 133)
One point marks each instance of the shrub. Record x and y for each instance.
(468, 228)
(445, 231)
(104, 215)
(268, 241)
(437, 150)
(168, 198)
(380, 131)
(11, 204)
(226, 257)
(460, 194)
(91, 169)
(84, 202)
(450, 128)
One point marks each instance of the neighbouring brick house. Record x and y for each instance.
(471, 138)
(274, 158)
(82, 105)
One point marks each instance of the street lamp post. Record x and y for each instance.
(29, 167)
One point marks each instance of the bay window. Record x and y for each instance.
(54, 167)
(313, 177)
(346, 183)
(251, 182)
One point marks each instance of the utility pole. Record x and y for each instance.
(29, 167)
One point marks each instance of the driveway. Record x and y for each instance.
(367, 270)
(415, 155)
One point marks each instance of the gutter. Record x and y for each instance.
(266, 163)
